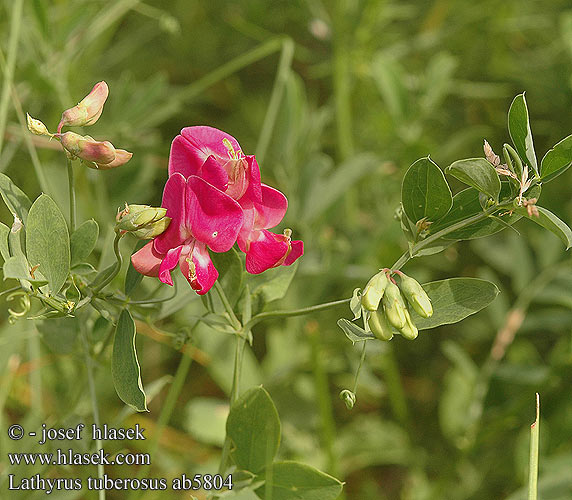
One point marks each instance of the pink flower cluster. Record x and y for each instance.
(215, 198)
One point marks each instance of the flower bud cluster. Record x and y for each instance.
(142, 221)
(101, 155)
(388, 305)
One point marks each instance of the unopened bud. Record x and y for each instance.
(394, 306)
(416, 296)
(88, 110)
(36, 126)
(96, 154)
(349, 398)
(379, 326)
(143, 221)
(373, 291)
(409, 331)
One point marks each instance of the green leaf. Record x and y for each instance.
(18, 268)
(254, 427)
(355, 303)
(551, 222)
(4, 249)
(466, 204)
(519, 130)
(425, 193)
(125, 368)
(295, 481)
(47, 242)
(16, 200)
(59, 334)
(477, 173)
(354, 332)
(132, 277)
(556, 160)
(273, 283)
(454, 299)
(83, 240)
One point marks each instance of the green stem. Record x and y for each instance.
(327, 424)
(15, 25)
(286, 56)
(225, 302)
(94, 405)
(444, 232)
(293, 312)
(533, 459)
(166, 412)
(361, 360)
(241, 334)
(71, 188)
(117, 267)
(342, 82)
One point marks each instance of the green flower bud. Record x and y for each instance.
(416, 296)
(143, 221)
(394, 306)
(409, 331)
(349, 398)
(379, 326)
(373, 291)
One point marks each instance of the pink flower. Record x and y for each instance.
(202, 217)
(218, 158)
(88, 110)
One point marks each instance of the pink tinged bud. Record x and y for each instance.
(88, 110)
(97, 154)
(121, 158)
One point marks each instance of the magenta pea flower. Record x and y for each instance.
(202, 218)
(218, 158)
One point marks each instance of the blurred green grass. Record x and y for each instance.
(372, 86)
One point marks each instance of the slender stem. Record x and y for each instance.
(225, 302)
(361, 360)
(533, 459)
(166, 412)
(94, 405)
(322, 391)
(282, 75)
(241, 334)
(444, 232)
(293, 312)
(71, 188)
(117, 267)
(15, 25)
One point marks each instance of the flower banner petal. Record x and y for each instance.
(174, 196)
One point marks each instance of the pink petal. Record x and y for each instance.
(187, 160)
(209, 140)
(214, 217)
(243, 239)
(174, 196)
(169, 263)
(271, 211)
(199, 269)
(268, 250)
(296, 252)
(147, 260)
(253, 192)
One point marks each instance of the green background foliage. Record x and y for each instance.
(337, 100)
